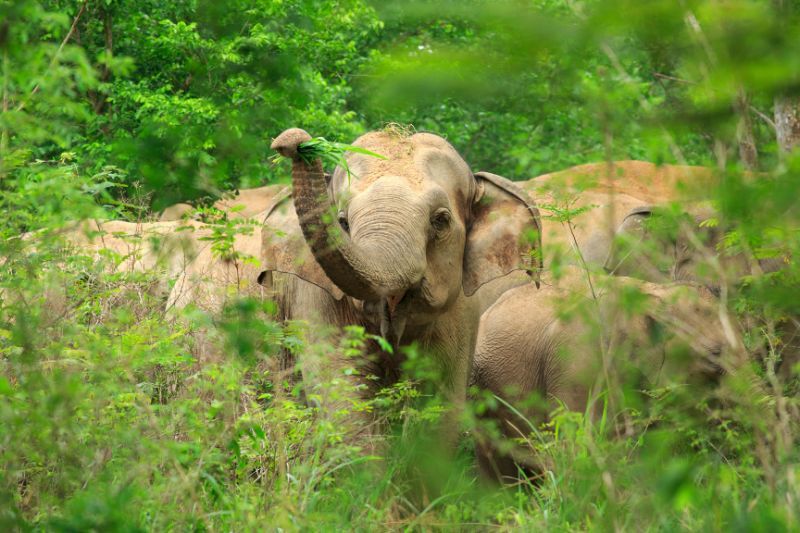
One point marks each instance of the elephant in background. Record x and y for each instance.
(557, 344)
(653, 223)
(244, 203)
(181, 253)
(604, 197)
(139, 246)
(641, 220)
(161, 249)
(213, 278)
(399, 245)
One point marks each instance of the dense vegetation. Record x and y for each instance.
(117, 416)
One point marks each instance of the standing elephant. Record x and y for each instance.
(651, 222)
(538, 349)
(219, 273)
(399, 245)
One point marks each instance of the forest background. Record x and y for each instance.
(117, 108)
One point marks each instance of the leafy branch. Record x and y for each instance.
(332, 153)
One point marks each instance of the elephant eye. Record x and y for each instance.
(343, 222)
(440, 221)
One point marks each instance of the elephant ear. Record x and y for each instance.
(285, 251)
(504, 235)
(652, 243)
(627, 256)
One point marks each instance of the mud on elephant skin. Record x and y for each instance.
(398, 245)
(539, 349)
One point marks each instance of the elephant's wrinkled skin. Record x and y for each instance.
(399, 246)
(547, 343)
(640, 220)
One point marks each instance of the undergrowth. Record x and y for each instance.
(117, 416)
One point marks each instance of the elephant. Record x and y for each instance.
(183, 256)
(244, 203)
(162, 249)
(181, 252)
(641, 220)
(399, 244)
(134, 247)
(212, 278)
(604, 197)
(555, 346)
(653, 223)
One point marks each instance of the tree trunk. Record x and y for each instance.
(748, 153)
(787, 122)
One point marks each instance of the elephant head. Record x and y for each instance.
(408, 234)
(655, 243)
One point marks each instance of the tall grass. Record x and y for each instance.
(117, 416)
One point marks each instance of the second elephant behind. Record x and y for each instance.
(576, 345)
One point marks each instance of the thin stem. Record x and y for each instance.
(584, 265)
(71, 31)
(4, 133)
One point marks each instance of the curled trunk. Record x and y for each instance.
(348, 266)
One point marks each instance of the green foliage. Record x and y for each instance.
(115, 415)
(330, 153)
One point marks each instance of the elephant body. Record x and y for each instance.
(558, 345)
(400, 244)
(164, 247)
(639, 220)
(184, 254)
(214, 277)
(183, 251)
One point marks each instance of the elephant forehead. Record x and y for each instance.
(390, 194)
(415, 158)
(445, 168)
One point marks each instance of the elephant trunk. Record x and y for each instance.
(346, 264)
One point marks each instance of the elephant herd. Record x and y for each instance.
(416, 248)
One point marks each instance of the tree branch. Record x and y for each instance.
(58, 52)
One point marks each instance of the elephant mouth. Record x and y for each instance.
(393, 319)
(413, 307)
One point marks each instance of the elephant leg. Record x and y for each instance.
(333, 382)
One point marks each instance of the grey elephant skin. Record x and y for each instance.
(400, 245)
(539, 349)
(242, 203)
